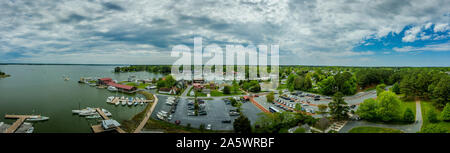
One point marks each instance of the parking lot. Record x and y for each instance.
(217, 111)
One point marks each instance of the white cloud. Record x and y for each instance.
(435, 48)
(441, 27)
(308, 30)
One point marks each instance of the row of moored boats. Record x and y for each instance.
(91, 112)
(130, 101)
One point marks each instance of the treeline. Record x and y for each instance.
(2, 73)
(164, 69)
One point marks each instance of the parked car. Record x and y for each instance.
(208, 127)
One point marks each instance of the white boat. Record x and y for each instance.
(107, 113)
(93, 116)
(124, 101)
(37, 118)
(110, 99)
(30, 130)
(111, 88)
(130, 101)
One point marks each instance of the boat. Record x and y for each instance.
(93, 116)
(30, 130)
(124, 102)
(130, 101)
(107, 113)
(87, 109)
(110, 99)
(111, 88)
(37, 118)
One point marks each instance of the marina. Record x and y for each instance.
(21, 121)
(41, 89)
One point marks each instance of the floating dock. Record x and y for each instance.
(18, 123)
(99, 128)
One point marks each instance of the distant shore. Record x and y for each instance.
(5, 76)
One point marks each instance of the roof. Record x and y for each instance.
(121, 86)
(105, 79)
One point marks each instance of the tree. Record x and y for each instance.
(408, 116)
(323, 109)
(298, 107)
(117, 69)
(389, 106)
(338, 107)
(396, 88)
(242, 125)
(226, 90)
(380, 88)
(270, 97)
(368, 110)
(433, 128)
(441, 91)
(432, 116)
(326, 86)
(445, 114)
(235, 87)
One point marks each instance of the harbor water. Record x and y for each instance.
(42, 90)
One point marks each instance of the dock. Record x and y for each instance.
(18, 123)
(99, 128)
(117, 100)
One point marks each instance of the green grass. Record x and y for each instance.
(140, 86)
(428, 106)
(216, 93)
(367, 129)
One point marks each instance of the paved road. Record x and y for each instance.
(184, 94)
(408, 128)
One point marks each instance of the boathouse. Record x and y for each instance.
(120, 87)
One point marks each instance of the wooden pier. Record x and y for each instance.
(99, 128)
(18, 123)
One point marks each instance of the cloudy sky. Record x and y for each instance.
(321, 32)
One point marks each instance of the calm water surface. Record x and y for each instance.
(41, 89)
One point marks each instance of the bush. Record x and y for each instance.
(432, 116)
(433, 128)
(270, 97)
(445, 114)
(226, 90)
(300, 130)
(408, 116)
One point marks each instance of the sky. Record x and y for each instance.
(308, 32)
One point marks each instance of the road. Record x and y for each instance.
(407, 128)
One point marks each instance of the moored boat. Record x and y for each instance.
(37, 118)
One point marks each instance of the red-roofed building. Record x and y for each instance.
(104, 81)
(120, 87)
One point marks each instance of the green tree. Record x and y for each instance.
(445, 114)
(408, 116)
(388, 106)
(298, 107)
(323, 109)
(338, 107)
(432, 116)
(396, 88)
(368, 110)
(202, 127)
(270, 97)
(327, 85)
(226, 90)
(433, 128)
(242, 125)
(380, 88)
(441, 91)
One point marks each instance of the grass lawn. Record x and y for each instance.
(367, 129)
(216, 93)
(428, 106)
(140, 86)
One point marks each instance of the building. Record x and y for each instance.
(120, 87)
(110, 124)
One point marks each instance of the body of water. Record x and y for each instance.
(41, 89)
